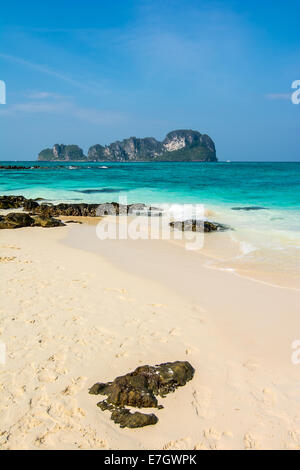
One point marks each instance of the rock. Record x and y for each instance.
(126, 419)
(11, 202)
(73, 222)
(21, 219)
(249, 208)
(42, 221)
(140, 388)
(198, 226)
(179, 145)
(30, 205)
(136, 207)
(16, 220)
(61, 152)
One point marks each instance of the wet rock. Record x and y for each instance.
(199, 226)
(249, 208)
(73, 222)
(140, 388)
(16, 220)
(30, 205)
(126, 419)
(136, 207)
(11, 202)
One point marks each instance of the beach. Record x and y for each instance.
(76, 310)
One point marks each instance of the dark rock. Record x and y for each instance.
(249, 208)
(198, 226)
(73, 222)
(140, 388)
(11, 202)
(42, 221)
(135, 207)
(16, 220)
(21, 219)
(30, 205)
(126, 419)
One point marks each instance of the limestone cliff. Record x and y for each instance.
(179, 145)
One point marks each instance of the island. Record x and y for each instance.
(178, 146)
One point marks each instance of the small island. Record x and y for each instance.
(178, 146)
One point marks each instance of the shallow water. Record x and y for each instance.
(267, 236)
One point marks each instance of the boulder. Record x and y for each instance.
(16, 220)
(140, 388)
(21, 219)
(126, 419)
(42, 221)
(11, 202)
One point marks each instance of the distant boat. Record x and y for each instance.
(228, 161)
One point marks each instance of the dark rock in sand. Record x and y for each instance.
(126, 419)
(41, 221)
(16, 220)
(140, 388)
(21, 219)
(199, 226)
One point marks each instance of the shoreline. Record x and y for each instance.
(242, 251)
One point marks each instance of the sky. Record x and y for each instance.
(96, 71)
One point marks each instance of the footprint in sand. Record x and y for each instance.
(75, 386)
(181, 444)
(251, 365)
(251, 442)
(202, 398)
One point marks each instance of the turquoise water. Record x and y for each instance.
(272, 185)
(267, 239)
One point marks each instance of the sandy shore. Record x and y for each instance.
(71, 317)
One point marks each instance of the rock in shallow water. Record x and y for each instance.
(139, 389)
(249, 208)
(194, 225)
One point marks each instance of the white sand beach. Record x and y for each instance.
(75, 310)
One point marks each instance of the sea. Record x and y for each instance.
(259, 201)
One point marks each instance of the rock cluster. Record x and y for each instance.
(139, 389)
(21, 219)
(194, 225)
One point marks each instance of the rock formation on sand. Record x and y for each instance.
(179, 145)
(21, 219)
(139, 389)
(44, 214)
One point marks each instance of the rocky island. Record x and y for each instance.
(179, 145)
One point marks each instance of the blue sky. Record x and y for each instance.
(97, 71)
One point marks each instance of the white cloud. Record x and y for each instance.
(61, 107)
(44, 69)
